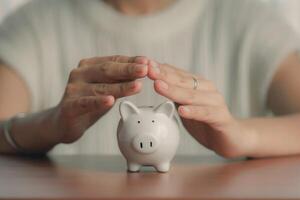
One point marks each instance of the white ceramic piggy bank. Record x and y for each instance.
(148, 136)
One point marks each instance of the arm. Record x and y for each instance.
(90, 92)
(280, 135)
(15, 98)
(13, 92)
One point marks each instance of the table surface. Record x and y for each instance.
(104, 177)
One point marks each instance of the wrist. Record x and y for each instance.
(51, 122)
(250, 138)
(36, 132)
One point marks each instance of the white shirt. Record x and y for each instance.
(236, 44)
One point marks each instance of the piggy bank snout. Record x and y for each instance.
(145, 143)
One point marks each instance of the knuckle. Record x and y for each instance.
(137, 58)
(104, 68)
(71, 89)
(192, 97)
(120, 71)
(183, 80)
(163, 72)
(74, 74)
(83, 62)
(100, 89)
(180, 74)
(94, 103)
(116, 58)
(128, 70)
(83, 103)
(123, 88)
(210, 85)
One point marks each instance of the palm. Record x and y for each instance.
(220, 140)
(76, 123)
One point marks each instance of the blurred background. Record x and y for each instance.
(7, 6)
(289, 8)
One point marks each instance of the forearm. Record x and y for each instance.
(274, 136)
(34, 133)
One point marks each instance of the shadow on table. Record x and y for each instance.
(118, 163)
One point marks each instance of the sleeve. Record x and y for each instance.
(19, 49)
(268, 39)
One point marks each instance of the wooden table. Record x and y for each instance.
(96, 177)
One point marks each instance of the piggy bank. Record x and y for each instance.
(148, 136)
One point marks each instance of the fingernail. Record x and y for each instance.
(108, 100)
(184, 109)
(163, 85)
(141, 60)
(155, 67)
(134, 85)
(139, 68)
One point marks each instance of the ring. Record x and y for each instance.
(196, 83)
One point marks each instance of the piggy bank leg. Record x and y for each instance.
(133, 167)
(163, 167)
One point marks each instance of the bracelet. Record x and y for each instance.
(7, 133)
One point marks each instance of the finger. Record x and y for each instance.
(115, 89)
(178, 77)
(87, 104)
(209, 114)
(188, 96)
(109, 72)
(159, 71)
(116, 58)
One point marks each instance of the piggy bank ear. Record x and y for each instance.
(167, 108)
(127, 108)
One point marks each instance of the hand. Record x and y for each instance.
(203, 110)
(92, 89)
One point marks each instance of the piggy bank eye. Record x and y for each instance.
(152, 121)
(139, 121)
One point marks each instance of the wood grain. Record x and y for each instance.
(104, 177)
